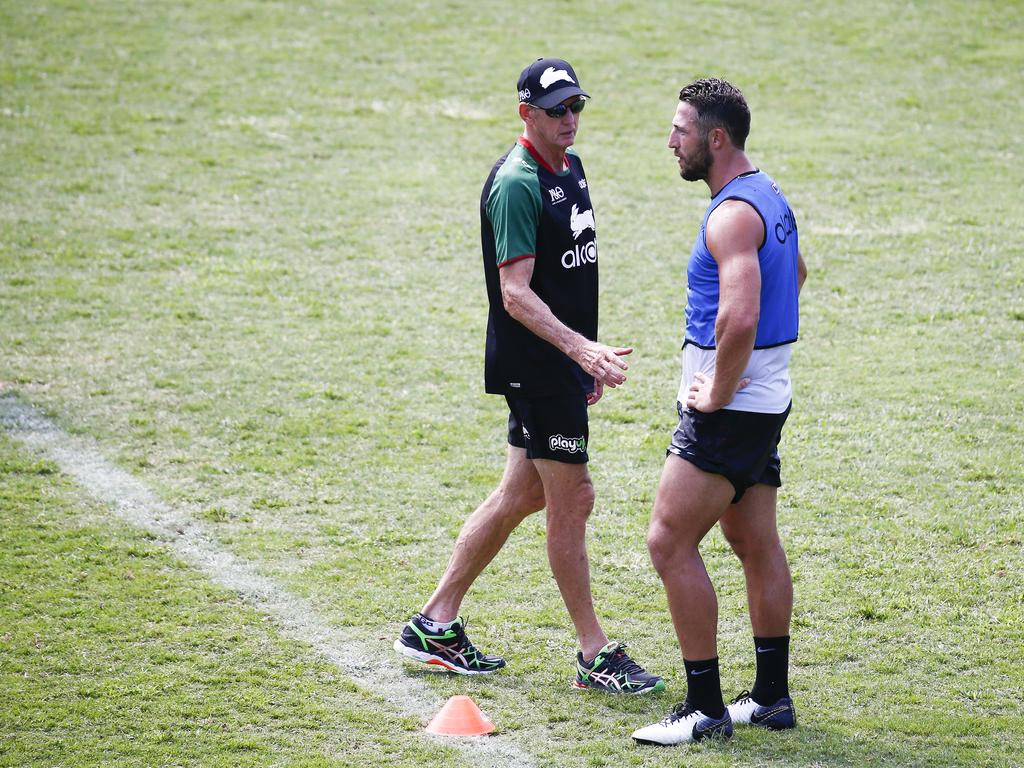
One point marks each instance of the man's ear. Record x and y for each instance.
(719, 137)
(525, 112)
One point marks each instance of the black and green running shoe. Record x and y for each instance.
(450, 649)
(612, 670)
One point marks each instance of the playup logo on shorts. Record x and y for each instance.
(567, 444)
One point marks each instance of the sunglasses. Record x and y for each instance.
(558, 111)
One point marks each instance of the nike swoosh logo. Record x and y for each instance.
(713, 728)
(700, 672)
(759, 717)
(764, 650)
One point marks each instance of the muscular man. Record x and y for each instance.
(540, 264)
(743, 281)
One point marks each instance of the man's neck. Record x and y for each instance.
(552, 155)
(726, 168)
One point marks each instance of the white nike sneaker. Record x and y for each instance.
(684, 725)
(777, 717)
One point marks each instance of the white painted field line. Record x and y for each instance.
(134, 503)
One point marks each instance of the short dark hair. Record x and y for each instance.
(719, 104)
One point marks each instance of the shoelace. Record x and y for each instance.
(679, 711)
(459, 629)
(620, 661)
(465, 647)
(743, 695)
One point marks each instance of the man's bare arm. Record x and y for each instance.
(734, 234)
(602, 362)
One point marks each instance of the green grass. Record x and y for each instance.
(116, 654)
(239, 249)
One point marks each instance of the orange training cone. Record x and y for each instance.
(460, 716)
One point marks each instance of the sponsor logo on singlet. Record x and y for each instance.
(785, 226)
(580, 256)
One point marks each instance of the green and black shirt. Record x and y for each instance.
(529, 210)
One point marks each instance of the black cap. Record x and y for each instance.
(547, 82)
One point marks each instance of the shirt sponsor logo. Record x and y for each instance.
(785, 227)
(557, 195)
(568, 444)
(580, 222)
(580, 256)
(552, 75)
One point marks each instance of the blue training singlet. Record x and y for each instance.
(779, 320)
(769, 390)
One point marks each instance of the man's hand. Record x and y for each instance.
(700, 397)
(602, 362)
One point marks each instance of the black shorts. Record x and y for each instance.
(742, 446)
(553, 428)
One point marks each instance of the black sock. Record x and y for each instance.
(704, 687)
(772, 681)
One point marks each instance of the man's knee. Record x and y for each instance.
(746, 544)
(574, 501)
(524, 501)
(579, 499)
(517, 497)
(584, 497)
(737, 539)
(532, 500)
(661, 544)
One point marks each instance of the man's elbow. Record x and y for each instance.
(746, 324)
(512, 300)
(738, 324)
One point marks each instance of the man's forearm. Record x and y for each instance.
(526, 307)
(734, 344)
(604, 363)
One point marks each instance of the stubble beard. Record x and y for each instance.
(698, 168)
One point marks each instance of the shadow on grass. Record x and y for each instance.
(840, 746)
(524, 706)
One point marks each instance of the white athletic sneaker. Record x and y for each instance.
(684, 725)
(777, 717)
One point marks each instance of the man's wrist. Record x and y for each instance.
(717, 400)
(575, 345)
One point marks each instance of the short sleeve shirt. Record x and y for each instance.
(529, 210)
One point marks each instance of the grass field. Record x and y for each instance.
(239, 255)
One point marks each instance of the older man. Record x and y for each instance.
(540, 264)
